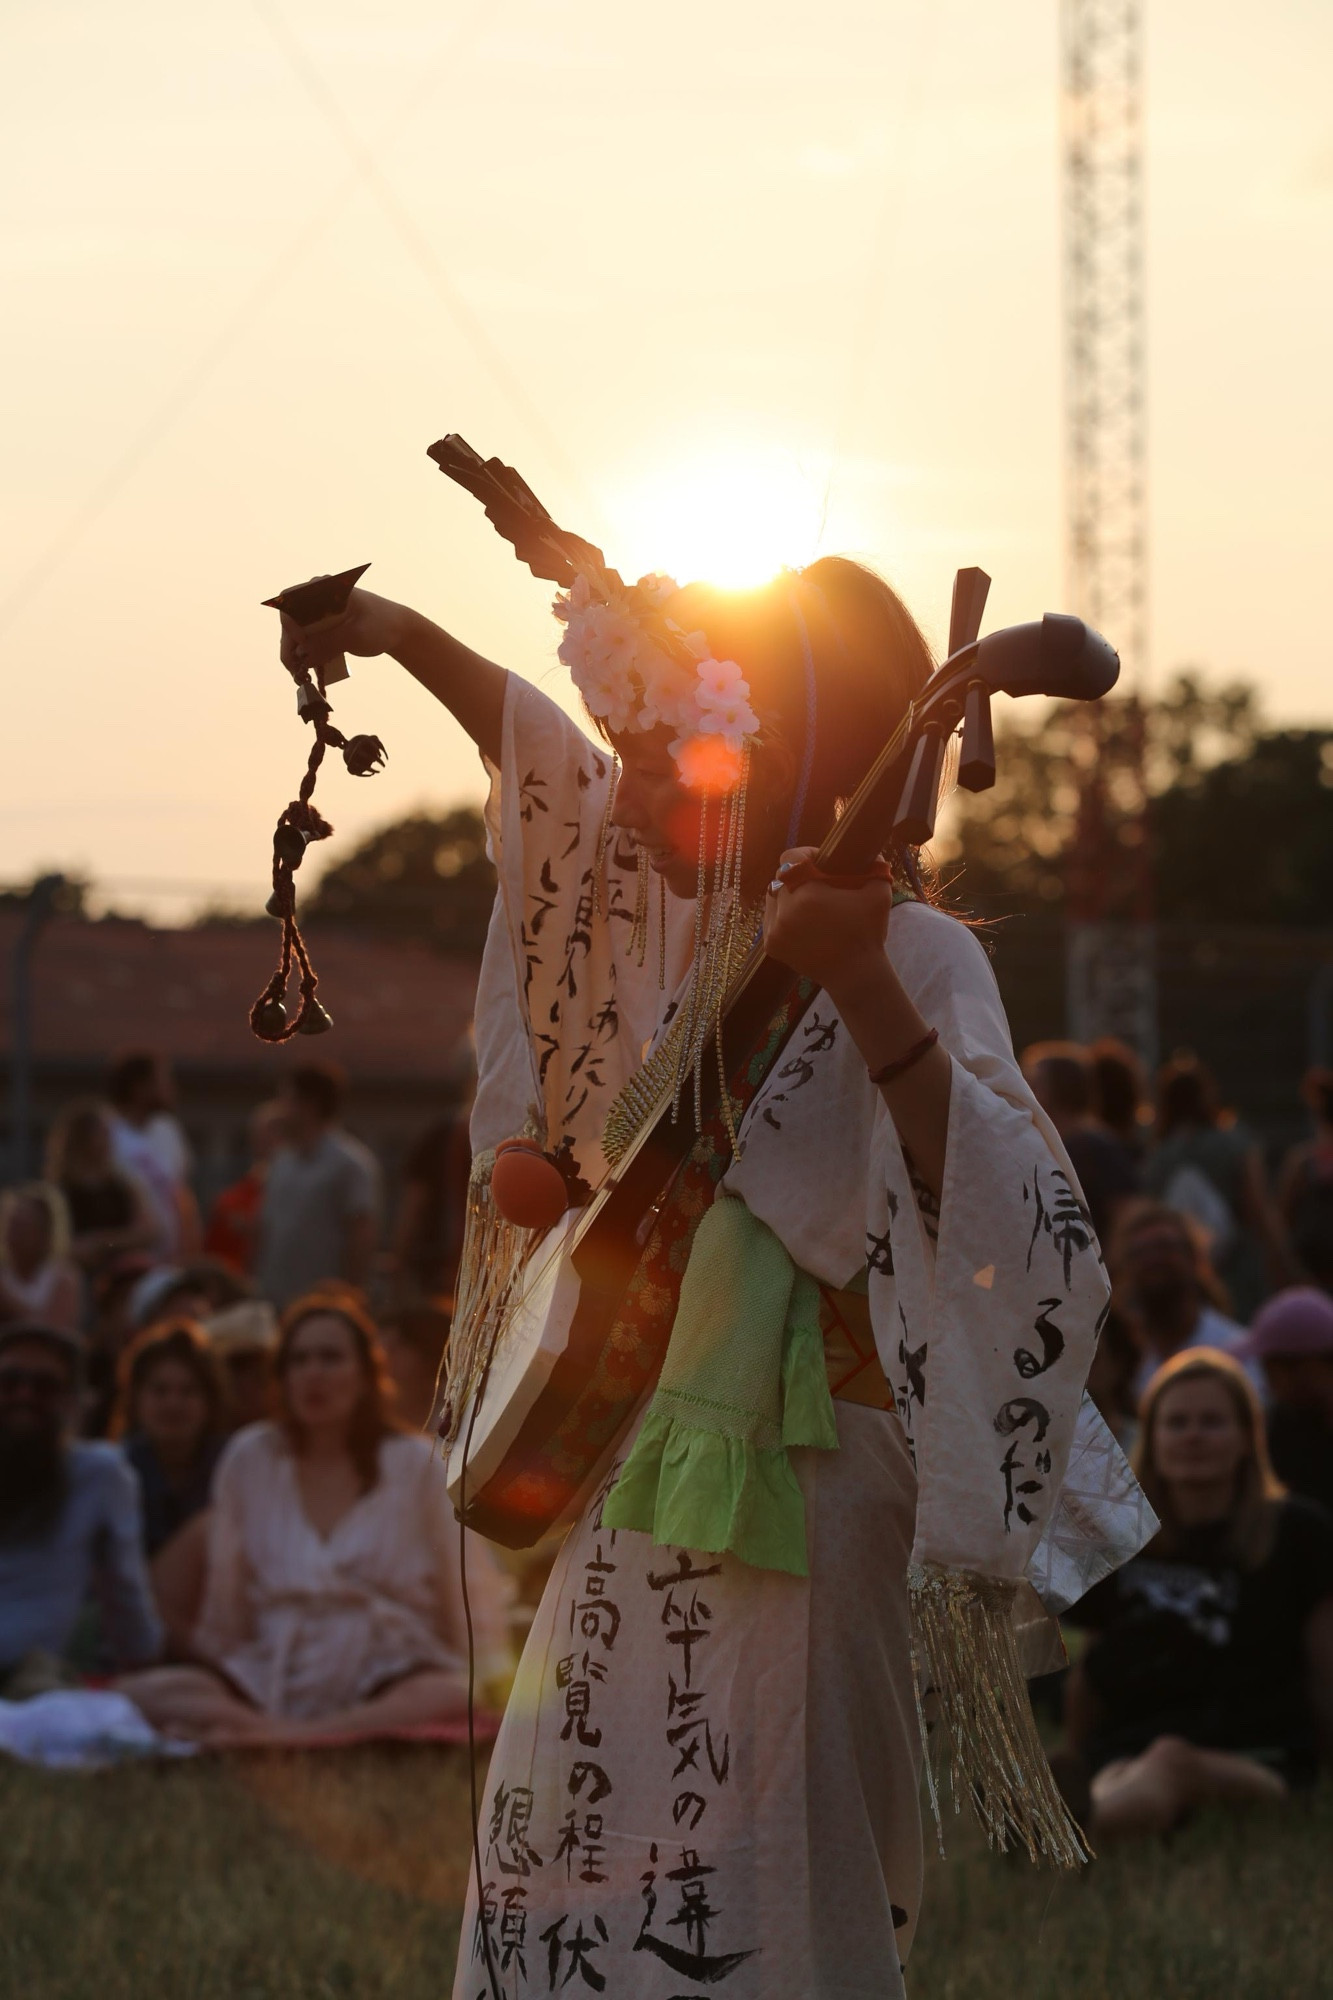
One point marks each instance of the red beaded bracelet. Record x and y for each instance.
(892, 1071)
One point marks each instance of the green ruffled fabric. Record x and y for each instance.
(743, 1381)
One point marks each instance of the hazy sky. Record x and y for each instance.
(709, 275)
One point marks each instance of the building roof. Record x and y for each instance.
(99, 989)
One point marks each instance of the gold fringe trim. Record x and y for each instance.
(725, 929)
(493, 1255)
(657, 1083)
(967, 1671)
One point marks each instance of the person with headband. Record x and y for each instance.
(708, 1774)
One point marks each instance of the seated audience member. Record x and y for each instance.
(1167, 1290)
(69, 1522)
(37, 1279)
(244, 1337)
(187, 1291)
(319, 1217)
(1210, 1674)
(1061, 1077)
(109, 1212)
(1292, 1339)
(333, 1603)
(414, 1339)
(110, 1330)
(171, 1424)
(1305, 1191)
(1209, 1166)
(234, 1217)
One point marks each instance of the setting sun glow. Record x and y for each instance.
(733, 520)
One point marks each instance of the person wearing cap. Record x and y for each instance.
(244, 1336)
(69, 1521)
(1292, 1338)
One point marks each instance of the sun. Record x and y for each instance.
(733, 519)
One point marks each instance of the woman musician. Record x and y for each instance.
(707, 1779)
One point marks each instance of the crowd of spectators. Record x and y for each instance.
(1203, 1669)
(215, 1492)
(216, 1482)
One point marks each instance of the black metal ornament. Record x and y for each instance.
(319, 603)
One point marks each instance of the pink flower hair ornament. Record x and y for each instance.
(634, 667)
(629, 681)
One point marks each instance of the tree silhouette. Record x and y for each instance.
(1240, 819)
(424, 878)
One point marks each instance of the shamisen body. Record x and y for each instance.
(856, 1462)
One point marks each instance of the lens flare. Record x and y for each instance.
(707, 764)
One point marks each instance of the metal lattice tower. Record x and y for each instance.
(1111, 985)
(1104, 359)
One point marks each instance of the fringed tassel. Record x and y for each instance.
(967, 1670)
(494, 1253)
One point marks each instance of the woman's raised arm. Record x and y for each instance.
(471, 688)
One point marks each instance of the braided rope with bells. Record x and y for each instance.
(314, 606)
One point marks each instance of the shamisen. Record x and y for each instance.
(831, 1383)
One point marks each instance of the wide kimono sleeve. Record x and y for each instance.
(998, 1290)
(987, 1307)
(563, 1007)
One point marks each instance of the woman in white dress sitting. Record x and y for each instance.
(333, 1604)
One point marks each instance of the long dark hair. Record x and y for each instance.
(371, 1421)
(186, 1344)
(869, 656)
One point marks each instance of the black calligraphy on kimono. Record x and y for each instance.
(681, 1905)
(818, 1037)
(1058, 1212)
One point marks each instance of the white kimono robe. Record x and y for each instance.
(707, 1780)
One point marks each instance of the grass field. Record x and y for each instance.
(340, 1878)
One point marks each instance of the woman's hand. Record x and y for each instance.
(369, 625)
(833, 935)
(471, 688)
(837, 937)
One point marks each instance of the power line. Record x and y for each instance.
(277, 273)
(418, 245)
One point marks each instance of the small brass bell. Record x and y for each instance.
(316, 1020)
(289, 844)
(280, 903)
(364, 756)
(270, 1020)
